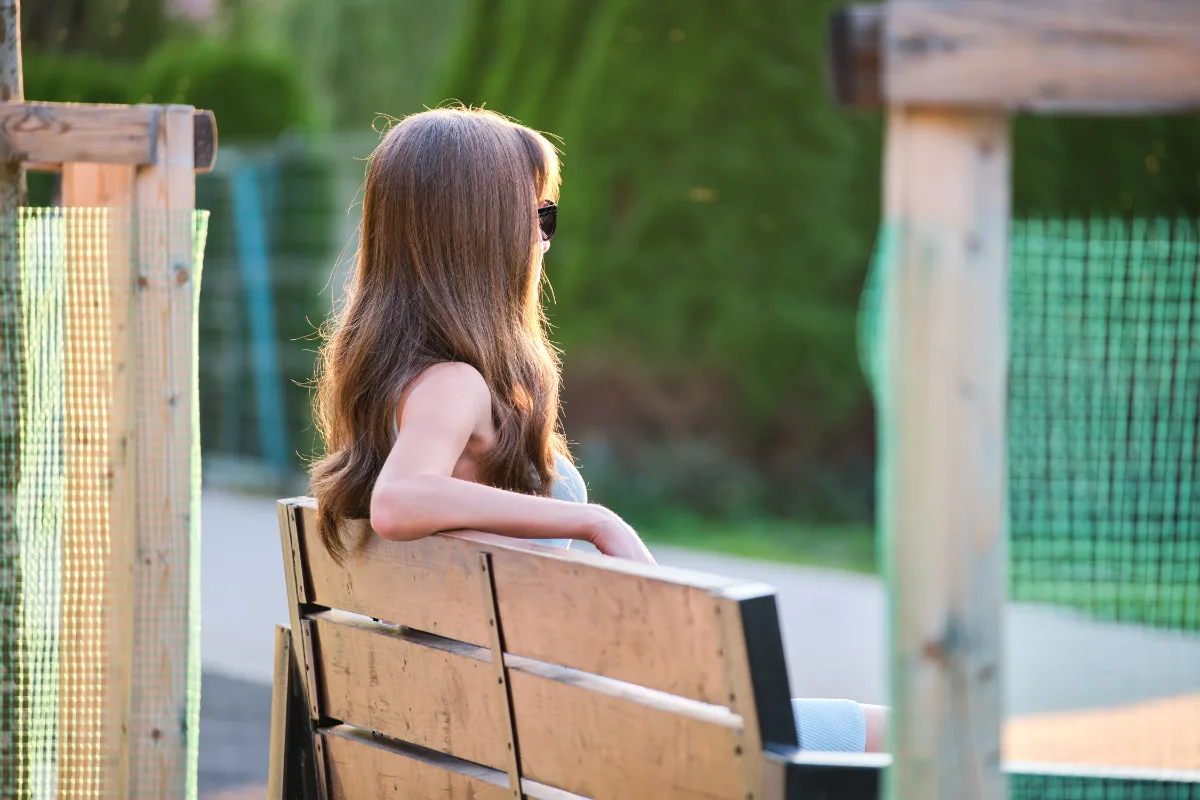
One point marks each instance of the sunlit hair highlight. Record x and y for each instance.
(448, 270)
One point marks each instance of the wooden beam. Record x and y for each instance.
(63, 132)
(105, 545)
(48, 135)
(1094, 56)
(14, 689)
(164, 302)
(855, 45)
(205, 137)
(944, 336)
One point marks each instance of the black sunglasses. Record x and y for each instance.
(548, 218)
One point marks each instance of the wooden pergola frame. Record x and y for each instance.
(47, 136)
(949, 73)
(128, 428)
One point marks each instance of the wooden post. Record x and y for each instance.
(95, 746)
(163, 306)
(126, 720)
(949, 71)
(945, 332)
(85, 510)
(14, 707)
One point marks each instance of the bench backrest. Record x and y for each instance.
(617, 680)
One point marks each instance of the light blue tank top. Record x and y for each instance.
(569, 486)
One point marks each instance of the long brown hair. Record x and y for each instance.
(447, 270)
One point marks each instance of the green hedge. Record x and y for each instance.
(717, 212)
(1144, 166)
(717, 218)
(716, 221)
(254, 95)
(76, 79)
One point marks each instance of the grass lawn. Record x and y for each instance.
(1167, 601)
(848, 547)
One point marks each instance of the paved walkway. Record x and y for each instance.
(833, 625)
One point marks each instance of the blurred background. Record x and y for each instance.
(717, 222)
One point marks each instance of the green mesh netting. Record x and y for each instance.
(1070, 787)
(67, 533)
(1103, 504)
(1103, 411)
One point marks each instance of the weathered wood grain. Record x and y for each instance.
(66, 132)
(102, 544)
(945, 339)
(164, 301)
(583, 733)
(48, 135)
(361, 767)
(1087, 56)
(441, 697)
(648, 625)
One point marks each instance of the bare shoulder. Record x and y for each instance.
(450, 387)
(453, 375)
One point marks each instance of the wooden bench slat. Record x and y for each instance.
(611, 748)
(364, 766)
(655, 633)
(432, 697)
(359, 768)
(652, 626)
(579, 732)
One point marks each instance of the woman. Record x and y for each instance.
(438, 389)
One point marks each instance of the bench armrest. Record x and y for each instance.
(824, 776)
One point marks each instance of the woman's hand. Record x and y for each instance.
(612, 536)
(877, 727)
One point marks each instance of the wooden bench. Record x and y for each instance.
(617, 680)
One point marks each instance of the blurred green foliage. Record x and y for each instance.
(360, 58)
(271, 98)
(1141, 166)
(717, 218)
(108, 29)
(76, 79)
(718, 212)
(845, 547)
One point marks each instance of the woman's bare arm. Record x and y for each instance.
(416, 495)
(877, 727)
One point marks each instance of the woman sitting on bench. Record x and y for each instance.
(438, 390)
